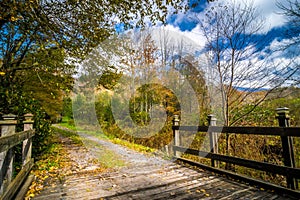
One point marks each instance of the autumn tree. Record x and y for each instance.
(41, 40)
(238, 64)
(290, 9)
(234, 49)
(30, 29)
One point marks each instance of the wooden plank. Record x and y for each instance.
(279, 131)
(191, 128)
(251, 181)
(6, 168)
(16, 183)
(7, 142)
(268, 167)
(8, 123)
(21, 194)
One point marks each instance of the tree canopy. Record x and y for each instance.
(37, 36)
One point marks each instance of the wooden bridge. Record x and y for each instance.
(167, 180)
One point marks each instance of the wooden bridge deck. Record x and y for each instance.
(168, 181)
(145, 178)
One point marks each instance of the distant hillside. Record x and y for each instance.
(245, 89)
(285, 92)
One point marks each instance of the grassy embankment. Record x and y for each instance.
(140, 148)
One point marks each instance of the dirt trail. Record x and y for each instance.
(131, 157)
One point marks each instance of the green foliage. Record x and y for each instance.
(37, 36)
(43, 133)
(41, 124)
(68, 133)
(67, 108)
(264, 114)
(109, 79)
(258, 115)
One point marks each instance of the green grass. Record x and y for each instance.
(68, 123)
(137, 147)
(70, 134)
(106, 157)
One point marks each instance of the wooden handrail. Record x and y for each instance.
(18, 180)
(7, 142)
(284, 131)
(263, 166)
(275, 131)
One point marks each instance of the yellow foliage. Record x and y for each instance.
(13, 18)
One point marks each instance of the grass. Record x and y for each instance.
(68, 123)
(106, 157)
(137, 147)
(70, 134)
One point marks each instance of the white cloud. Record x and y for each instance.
(196, 36)
(192, 39)
(269, 11)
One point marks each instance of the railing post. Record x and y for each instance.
(287, 144)
(176, 135)
(27, 144)
(213, 138)
(8, 127)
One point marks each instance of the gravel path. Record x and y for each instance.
(131, 157)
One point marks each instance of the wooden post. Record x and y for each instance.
(176, 135)
(8, 127)
(27, 144)
(287, 144)
(213, 138)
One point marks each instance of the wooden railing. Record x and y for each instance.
(9, 184)
(284, 131)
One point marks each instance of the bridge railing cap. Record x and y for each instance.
(28, 117)
(9, 117)
(282, 111)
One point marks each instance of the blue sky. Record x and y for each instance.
(184, 21)
(273, 32)
(275, 23)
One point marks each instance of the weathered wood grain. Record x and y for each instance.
(168, 181)
(16, 182)
(9, 141)
(279, 131)
(263, 166)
